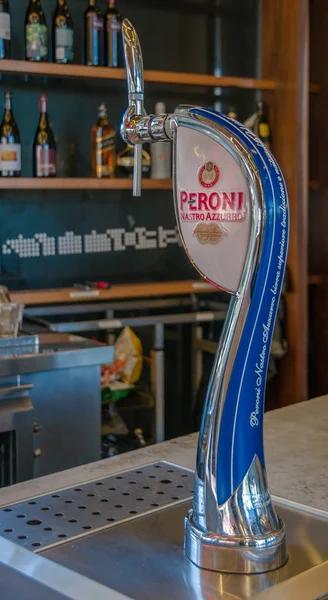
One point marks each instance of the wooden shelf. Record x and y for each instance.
(23, 67)
(57, 183)
(125, 291)
(209, 80)
(314, 184)
(84, 183)
(317, 280)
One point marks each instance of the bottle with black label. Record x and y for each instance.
(125, 162)
(261, 125)
(113, 36)
(10, 146)
(36, 33)
(103, 146)
(161, 152)
(44, 146)
(93, 35)
(62, 34)
(5, 29)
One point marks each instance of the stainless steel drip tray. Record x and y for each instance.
(143, 558)
(126, 532)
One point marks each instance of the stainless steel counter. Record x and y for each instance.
(50, 403)
(51, 351)
(133, 552)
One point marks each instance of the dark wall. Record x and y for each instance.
(175, 36)
(107, 235)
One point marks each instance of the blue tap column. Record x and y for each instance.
(232, 504)
(241, 433)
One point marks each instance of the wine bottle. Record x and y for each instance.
(125, 162)
(103, 146)
(5, 30)
(93, 35)
(161, 152)
(62, 34)
(113, 36)
(10, 146)
(261, 125)
(44, 146)
(36, 33)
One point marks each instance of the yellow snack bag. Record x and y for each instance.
(128, 348)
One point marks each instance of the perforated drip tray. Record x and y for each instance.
(77, 511)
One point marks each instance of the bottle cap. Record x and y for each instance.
(160, 108)
(7, 100)
(43, 103)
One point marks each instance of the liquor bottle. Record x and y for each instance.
(161, 152)
(44, 146)
(36, 33)
(5, 30)
(10, 146)
(113, 36)
(103, 146)
(93, 35)
(261, 125)
(62, 34)
(125, 162)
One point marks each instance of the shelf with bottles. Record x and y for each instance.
(102, 46)
(106, 163)
(110, 170)
(102, 37)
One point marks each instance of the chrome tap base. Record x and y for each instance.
(235, 555)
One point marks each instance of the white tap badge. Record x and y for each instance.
(213, 207)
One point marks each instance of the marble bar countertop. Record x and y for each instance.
(296, 444)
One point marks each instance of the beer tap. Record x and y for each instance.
(138, 127)
(231, 207)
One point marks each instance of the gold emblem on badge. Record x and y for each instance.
(209, 233)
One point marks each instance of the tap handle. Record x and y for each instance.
(134, 65)
(135, 81)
